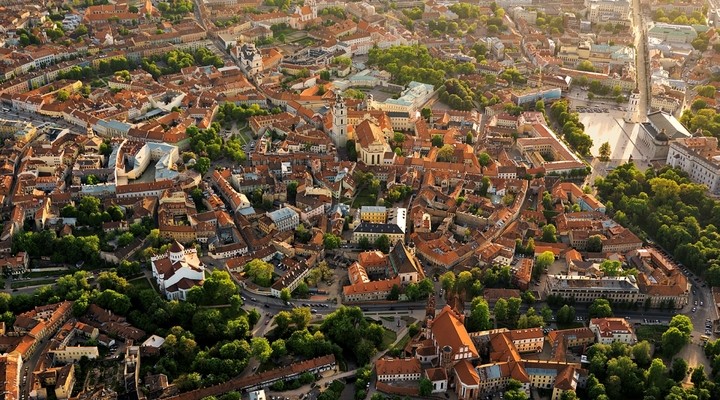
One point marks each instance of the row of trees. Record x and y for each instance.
(570, 127)
(677, 17)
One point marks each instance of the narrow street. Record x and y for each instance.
(642, 69)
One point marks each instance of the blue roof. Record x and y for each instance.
(281, 214)
(115, 125)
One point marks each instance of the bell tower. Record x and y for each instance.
(632, 115)
(313, 7)
(340, 121)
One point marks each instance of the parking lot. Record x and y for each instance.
(595, 109)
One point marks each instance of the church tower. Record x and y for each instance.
(340, 122)
(369, 102)
(632, 116)
(313, 7)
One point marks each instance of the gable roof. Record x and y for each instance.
(448, 330)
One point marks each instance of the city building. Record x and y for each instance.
(374, 214)
(604, 11)
(586, 289)
(660, 280)
(544, 145)
(177, 271)
(674, 34)
(699, 157)
(73, 354)
(399, 268)
(370, 143)
(609, 330)
(398, 369)
(657, 133)
(284, 219)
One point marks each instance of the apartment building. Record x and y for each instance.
(699, 157)
(586, 289)
(609, 330)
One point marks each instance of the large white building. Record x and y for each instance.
(609, 330)
(699, 157)
(585, 289)
(72, 354)
(284, 219)
(657, 133)
(177, 271)
(604, 11)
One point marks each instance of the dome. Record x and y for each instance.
(662, 137)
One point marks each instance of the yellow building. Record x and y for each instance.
(374, 214)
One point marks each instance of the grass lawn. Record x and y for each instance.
(364, 198)
(388, 338)
(403, 342)
(22, 284)
(141, 283)
(571, 325)
(43, 274)
(282, 30)
(651, 333)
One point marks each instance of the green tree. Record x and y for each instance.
(485, 160)
(672, 341)
(514, 304)
(446, 153)
(447, 281)
(501, 310)
(611, 267)
(594, 244)
(278, 348)
(202, 165)
(260, 272)
(585, 65)
(548, 233)
(479, 319)
(382, 243)
(706, 91)
(331, 241)
(642, 353)
(542, 263)
(111, 280)
(261, 348)
(62, 95)
(426, 387)
(547, 314)
(682, 323)
(605, 151)
(568, 395)
(566, 314)
(437, 141)
(679, 369)
(600, 308)
(285, 294)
